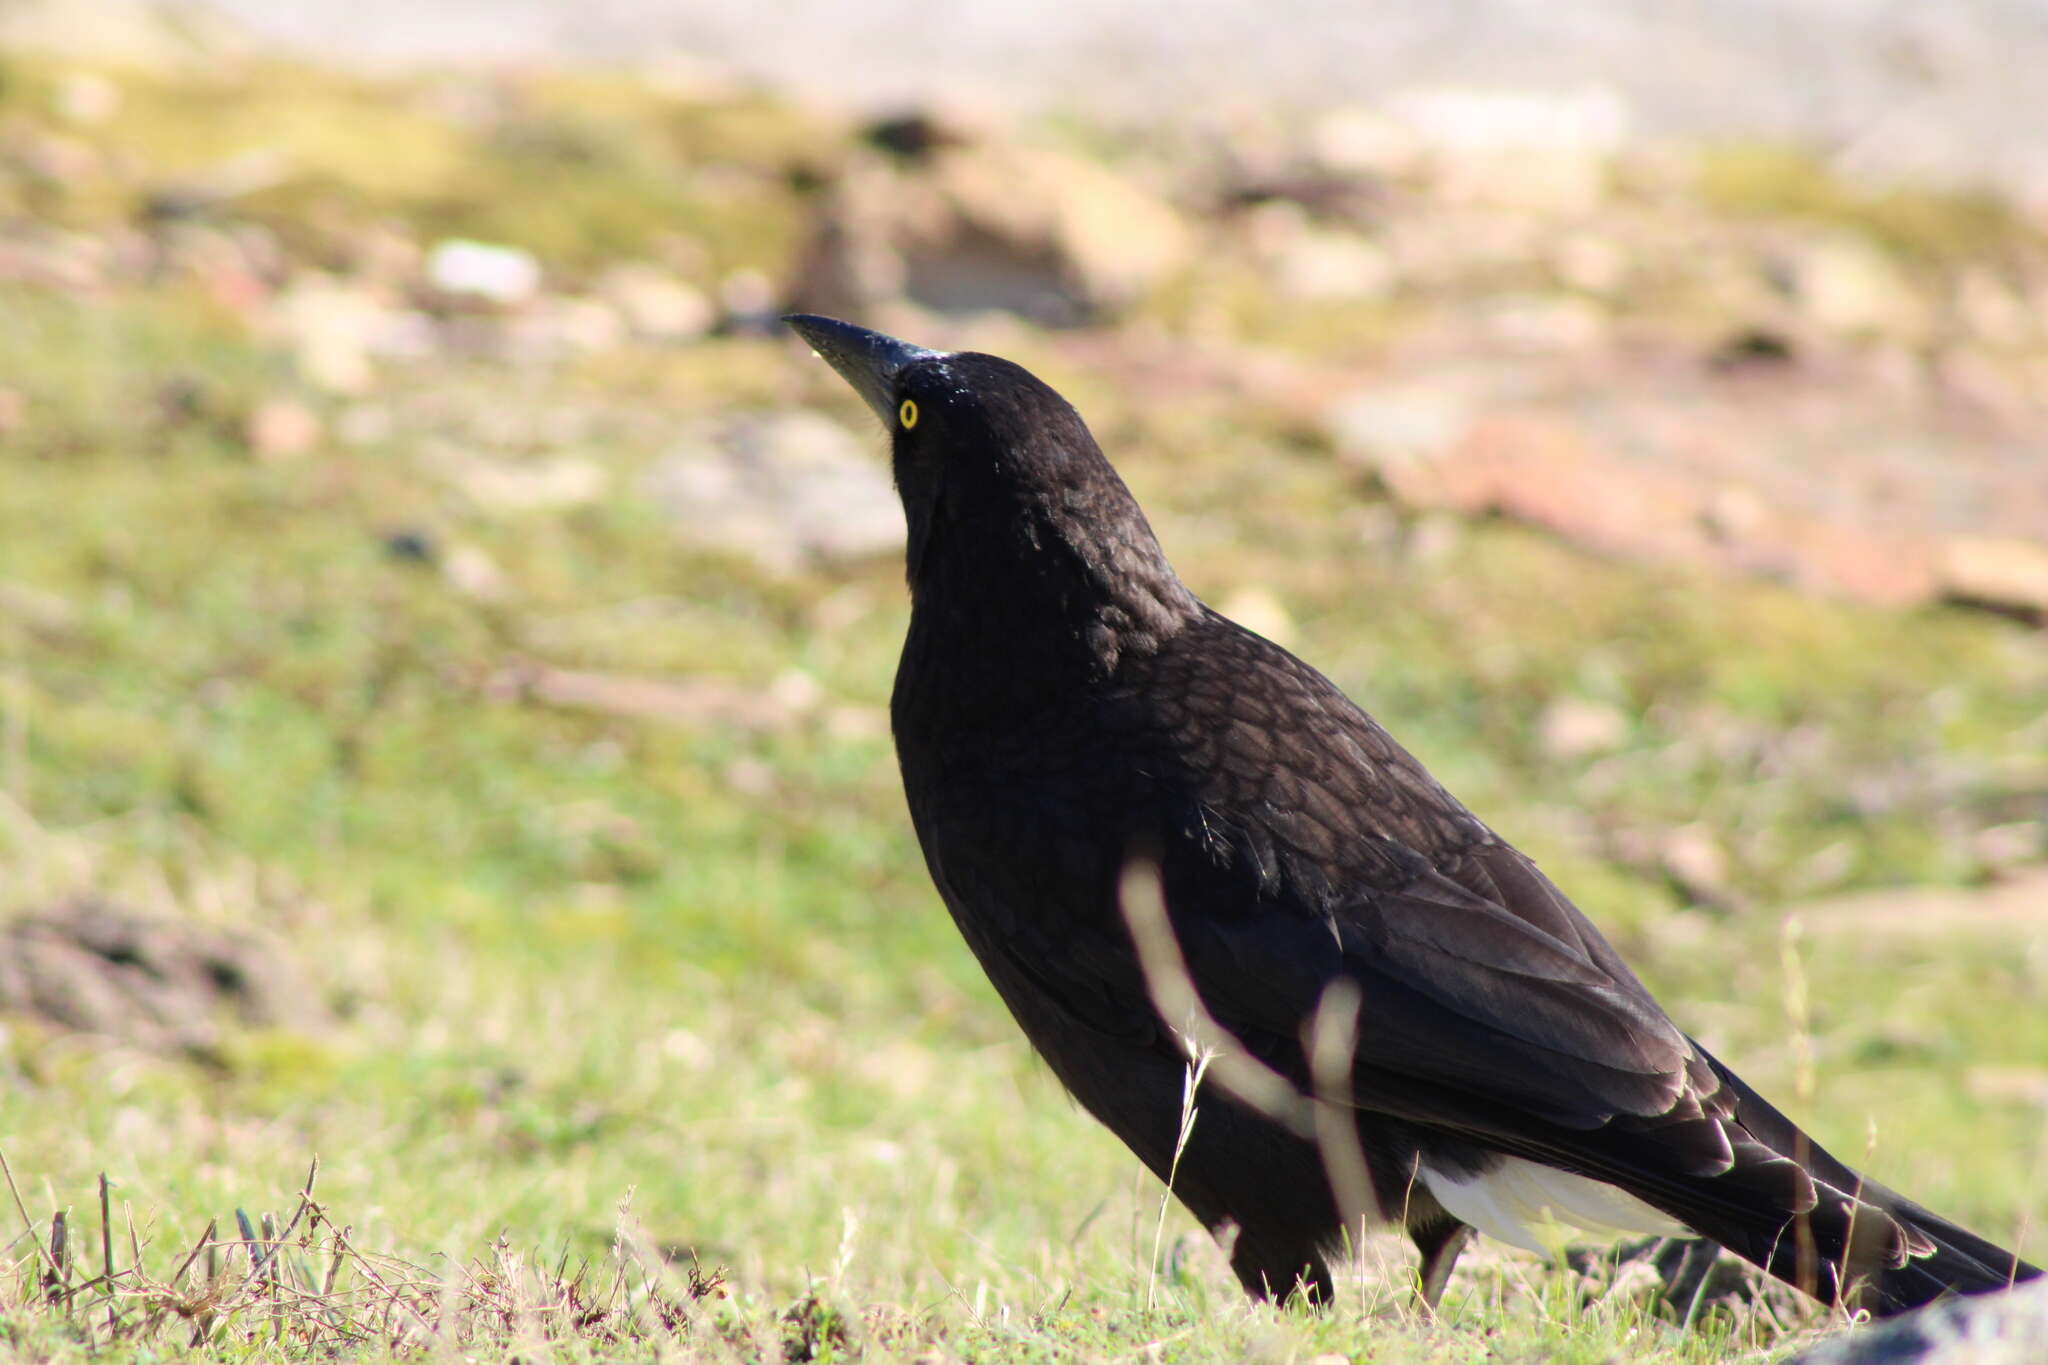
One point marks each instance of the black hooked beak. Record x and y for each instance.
(869, 361)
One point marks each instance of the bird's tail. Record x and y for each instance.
(1868, 1249)
(1856, 1243)
(1960, 1261)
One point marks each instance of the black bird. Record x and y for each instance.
(1064, 705)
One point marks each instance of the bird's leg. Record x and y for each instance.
(1439, 1242)
(1279, 1271)
(1686, 1287)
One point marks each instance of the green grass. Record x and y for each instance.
(1926, 226)
(582, 167)
(588, 961)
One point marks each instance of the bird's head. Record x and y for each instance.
(993, 465)
(972, 435)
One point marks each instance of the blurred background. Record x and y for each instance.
(446, 626)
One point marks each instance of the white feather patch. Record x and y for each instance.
(1533, 1206)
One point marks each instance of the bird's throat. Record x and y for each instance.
(1009, 619)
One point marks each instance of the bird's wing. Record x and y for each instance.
(1303, 846)
(1459, 991)
(1299, 845)
(1469, 1019)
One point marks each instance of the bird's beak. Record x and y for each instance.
(869, 361)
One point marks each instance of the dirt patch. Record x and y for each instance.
(1830, 475)
(2015, 908)
(167, 985)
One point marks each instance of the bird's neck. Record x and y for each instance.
(1012, 615)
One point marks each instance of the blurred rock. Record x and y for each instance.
(473, 573)
(682, 701)
(783, 489)
(1979, 1329)
(483, 270)
(656, 305)
(1030, 230)
(1692, 858)
(411, 545)
(1813, 467)
(58, 160)
(406, 335)
(557, 325)
(1886, 566)
(1542, 323)
(1260, 611)
(1981, 384)
(237, 270)
(1327, 196)
(43, 612)
(1544, 151)
(1758, 347)
(917, 133)
(1596, 262)
(1574, 727)
(749, 300)
(212, 186)
(2008, 1084)
(1396, 425)
(365, 424)
(331, 329)
(183, 398)
(852, 265)
(1359, 141)
(281, 429)
(86, 98)
(2012, 910)
(506, 485)
(1110, 239)
(1323, 266)
(1993, 312)
(750, 777)
(1846, 285)
(1547, 470)
(796, 691)
(1433, 538)
(1340, 169)
(1737, 513)
(2009, 845)
(165, 984)
(54, 259)
(1695, 859)
(2007, 573)
(382, 254)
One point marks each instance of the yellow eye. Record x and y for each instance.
(907, 414)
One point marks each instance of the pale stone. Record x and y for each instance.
(656, 305)
(279, 429)
(2002, 571)
(1848, 286)
(1322, 266)
(1260, 611)
(783, 490)
(1574, 727)
(487, 270)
